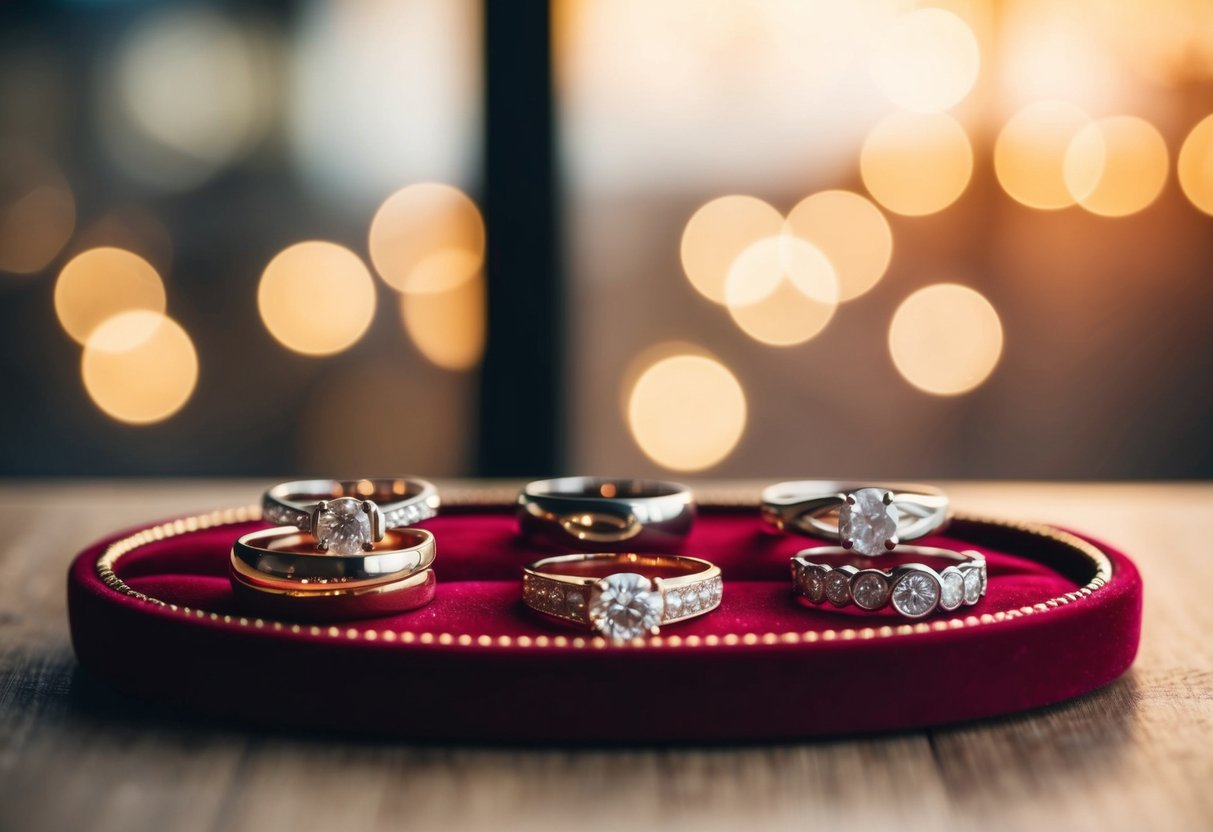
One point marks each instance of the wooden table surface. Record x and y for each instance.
(1137, 754)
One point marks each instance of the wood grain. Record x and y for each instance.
(1138, 754)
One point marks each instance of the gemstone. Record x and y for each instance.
(870, 590)
(673, 604)
(915, 594)
(972, 587)
(575, 600)
(867, 522)
(838, 587)
(705, 594)
(814, 587)
(344, 527)
(625, 606)
(952, 591)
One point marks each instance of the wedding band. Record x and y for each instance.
(606, 514)
(286, 558)
(912, 589)
(350, 516)
(337, 603)
(867, 519)
(622, 596)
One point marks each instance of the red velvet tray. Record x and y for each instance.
(477, 665)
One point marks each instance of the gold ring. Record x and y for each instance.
(622, 596)
(284, 557)
(338, 603)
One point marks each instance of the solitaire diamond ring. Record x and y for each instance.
(870, 520)
(590, 513)
(829, 574)
(622, 596)
(348, 517)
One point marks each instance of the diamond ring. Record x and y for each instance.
(591, 513)
(286, 558)
(622, 596)
(348, 517)
(911, 589)
(870, 520)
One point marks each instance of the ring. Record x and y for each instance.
(606, 514)
(911, 589)
(622, 596)
(280, 558)
(337, 603)
(870, 520)
(350, 516)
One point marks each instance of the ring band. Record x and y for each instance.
(606, 514)
(339, 603)
(280, 557)
(868, 519)
(913, 590)
(349, 516)
(622, 596)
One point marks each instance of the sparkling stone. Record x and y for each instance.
(952, 591)
(915, 594)
(972, 587)
(705, 594)
(869, 522)
(344, 527)
(814, 586)
(838, 587)
(870, 590)
(625, 606)
(673, 604)
(575, 601)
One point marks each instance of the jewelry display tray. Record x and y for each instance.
(476, 664)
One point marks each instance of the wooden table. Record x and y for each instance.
(1135, 755)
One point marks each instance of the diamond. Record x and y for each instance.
(867, 522)
(870, 590)
(575, 601)
(838, 587)
(705, 594)
(343, 527)
(625, 606)
(972, 587)
(952, 591)
(915, 594)
(673, 604)
(814, 587)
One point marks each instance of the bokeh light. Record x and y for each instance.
(139, 367)
(851, 232)
(37, 211)
(926, 60)
(916, 163)
(316, 297)
(781, 291)
(193, 90)
(717, 233)
(427, 237)
(687, 412)
(1196, 165)
(99, 283)
(945, 339)
(1030, 153)
(448, 327)
(1116, 166)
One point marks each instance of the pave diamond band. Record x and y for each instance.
(829, 575)
(622, 596)
(592, 513)
(347, 517)
(869, 520)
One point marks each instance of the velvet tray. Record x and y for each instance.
(475, 664)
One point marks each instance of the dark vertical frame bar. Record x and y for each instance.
(521, 404)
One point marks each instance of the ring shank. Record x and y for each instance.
(591, 513)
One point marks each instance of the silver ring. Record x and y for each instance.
(868, 519)
(606, 514)
(348, 517)
(280, 557)
(913, 590)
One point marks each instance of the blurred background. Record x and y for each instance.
(759, 238)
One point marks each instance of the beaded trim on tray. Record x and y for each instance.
(164, 531)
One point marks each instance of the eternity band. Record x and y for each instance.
(606, 514)
(622, 596)
(347, 517)
(913, 590)
(868, 519)
(280, 557)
